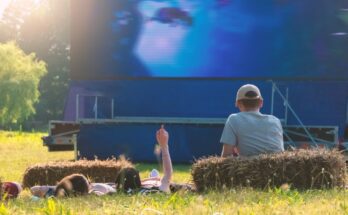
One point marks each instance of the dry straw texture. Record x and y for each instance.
(95, 171)
(301, 169)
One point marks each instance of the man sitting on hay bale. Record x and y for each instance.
(260, 136)
(249, 132)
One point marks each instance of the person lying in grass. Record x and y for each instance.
(72, 185)
(9, 190)
(128, 180)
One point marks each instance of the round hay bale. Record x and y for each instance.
(96, 171)
(301, 169)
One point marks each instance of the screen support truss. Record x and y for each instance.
(285, 98)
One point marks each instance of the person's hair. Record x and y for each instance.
(250, 103)
(128, 179)
(72, 185)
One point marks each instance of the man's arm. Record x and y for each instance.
(229, 139)
(229, 150)
(162, 137)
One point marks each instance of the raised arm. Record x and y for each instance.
(162, 137)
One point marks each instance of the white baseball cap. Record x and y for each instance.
(248, 91)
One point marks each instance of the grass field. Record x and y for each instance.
(19, 150)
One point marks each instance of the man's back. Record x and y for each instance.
(253, 133)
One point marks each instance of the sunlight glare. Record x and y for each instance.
(36, 2)
(3, 5)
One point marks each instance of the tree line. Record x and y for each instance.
(34, 56)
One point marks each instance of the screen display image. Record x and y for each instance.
(114, 39)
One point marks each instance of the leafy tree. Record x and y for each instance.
(44, 29)
(20, 75)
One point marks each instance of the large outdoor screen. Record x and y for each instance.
(264, 39)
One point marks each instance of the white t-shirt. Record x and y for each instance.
(101, 189)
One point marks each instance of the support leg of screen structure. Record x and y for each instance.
(288, 107)
(76, 153)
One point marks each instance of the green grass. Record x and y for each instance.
(20, 150)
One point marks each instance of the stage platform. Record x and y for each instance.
(134, 137)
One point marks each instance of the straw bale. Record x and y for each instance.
(53, 172)
(301, 169)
